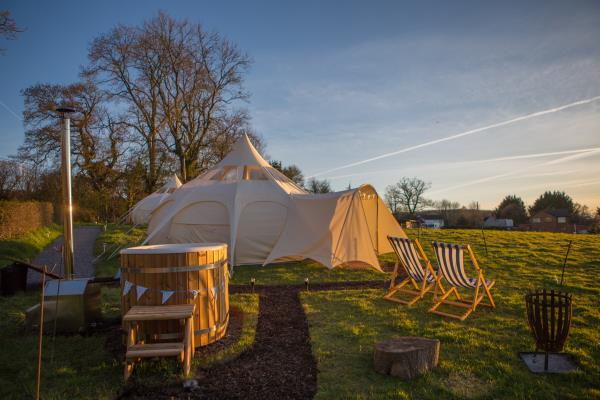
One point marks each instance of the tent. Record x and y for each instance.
(140, 213)
(265, 217)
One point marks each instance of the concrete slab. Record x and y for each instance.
(558, 363)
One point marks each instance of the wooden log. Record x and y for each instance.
(406, 357)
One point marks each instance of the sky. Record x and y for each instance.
(481, 99)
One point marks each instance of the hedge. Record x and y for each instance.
(17, 218)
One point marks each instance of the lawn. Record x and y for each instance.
(294, 273)
(27, 246)
(479, 356)
(83, 366)
(110, 241)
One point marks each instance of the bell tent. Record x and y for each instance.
(140, 213)
(264, 217)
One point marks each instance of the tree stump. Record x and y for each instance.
(406, 357)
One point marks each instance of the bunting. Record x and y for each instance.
(140, 290)
(127, 287)
(166, 294)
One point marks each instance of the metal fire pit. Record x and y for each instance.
(549, 318)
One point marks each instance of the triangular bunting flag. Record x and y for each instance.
(127, 287)
(140, 290)
(166, 294)
(194, 293)
(214, 291)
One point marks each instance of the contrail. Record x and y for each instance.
(512, 173)
(11, 111)
(462, 134)
(487, 160)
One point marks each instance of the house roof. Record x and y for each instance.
(559, 212)
(431, 216)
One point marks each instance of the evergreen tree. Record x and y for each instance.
(512, 207)
(554, 201)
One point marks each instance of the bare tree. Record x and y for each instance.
(409, 192)
(8, 27)
(202, 78)
(97, 138)
(180, 84)
(393, 198)
(132, 68)
(449, 210)
(9, 179)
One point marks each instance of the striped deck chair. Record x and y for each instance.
(451, 267)
(410, 259)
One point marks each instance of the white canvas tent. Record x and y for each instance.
(140, 213)
(265, 217)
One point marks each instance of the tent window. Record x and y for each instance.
(228, 173)
(253, 173)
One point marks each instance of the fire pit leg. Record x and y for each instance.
(546, 362)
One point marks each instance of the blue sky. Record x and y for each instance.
(334, 84)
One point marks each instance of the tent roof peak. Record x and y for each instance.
(243, 153)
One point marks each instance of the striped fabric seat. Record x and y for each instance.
(451, 262)
(405, 250)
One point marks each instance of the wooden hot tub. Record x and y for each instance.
(191, 273)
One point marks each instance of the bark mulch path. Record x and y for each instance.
(279, 365)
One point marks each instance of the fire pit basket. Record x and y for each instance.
(549, 318)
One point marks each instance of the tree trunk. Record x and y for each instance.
(406, 357)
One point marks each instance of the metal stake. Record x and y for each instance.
(562, 276)
(39, 368)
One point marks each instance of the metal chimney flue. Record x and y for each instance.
(67, 205)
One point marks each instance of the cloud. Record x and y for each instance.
(463, 164)
(462, 134)
(560, 160)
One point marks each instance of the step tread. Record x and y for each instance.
(155, 350)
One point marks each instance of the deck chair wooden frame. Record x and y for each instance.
(450, 262)
(409, 255)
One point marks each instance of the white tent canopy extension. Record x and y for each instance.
(140, 213)
(265, 217)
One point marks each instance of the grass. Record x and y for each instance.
(296, 272)
(162, 372)
(479, 356)
(110, 241)
(27, 246)
(80, 366)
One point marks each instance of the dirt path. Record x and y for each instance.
(85, 241)
(279, 365)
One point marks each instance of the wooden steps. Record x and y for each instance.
(150, 350)
(159, 313)
(183, 349)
